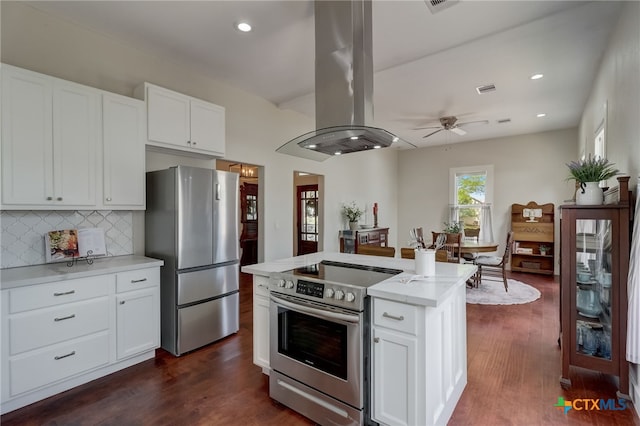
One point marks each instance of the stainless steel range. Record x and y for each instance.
(319, 323)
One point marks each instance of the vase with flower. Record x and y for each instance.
(352, 212)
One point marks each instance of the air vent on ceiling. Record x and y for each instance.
(503, 120)
(486, 89)
(436, 6)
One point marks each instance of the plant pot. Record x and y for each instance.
(589, 194)
(353, 225)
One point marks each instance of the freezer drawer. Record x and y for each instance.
(207, 283)
(207, 322)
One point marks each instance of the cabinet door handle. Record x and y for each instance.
(138, 281)
(65, 318)
(64, 356)
(122, 302)
(376, 339)
(108, 198)
(49, 198)
(193, 143)
(59, 198)
(65, 293)
(386, 315)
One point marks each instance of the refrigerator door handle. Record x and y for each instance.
(217, 191)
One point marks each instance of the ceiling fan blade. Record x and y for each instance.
(474, 123)
(432, 133)
(424, 128)
(458, 131)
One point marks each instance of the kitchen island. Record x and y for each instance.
(417, 335)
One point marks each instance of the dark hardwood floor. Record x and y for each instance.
(513, 364)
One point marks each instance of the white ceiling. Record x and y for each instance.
(426, 65)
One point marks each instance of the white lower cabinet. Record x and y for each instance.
(137, 312)
(419, 360)
(60, 334)
(261, 322)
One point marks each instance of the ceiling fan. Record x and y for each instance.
(449, 123)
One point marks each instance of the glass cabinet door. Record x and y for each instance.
(593, 287)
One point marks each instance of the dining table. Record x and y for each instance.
(478, 246)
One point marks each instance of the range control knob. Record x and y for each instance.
(339, 295)
(281, 283)
(288, 284)
(329, 292)
(350, 297)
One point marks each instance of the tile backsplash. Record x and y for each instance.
(22, 237)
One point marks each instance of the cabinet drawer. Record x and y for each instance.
(395, 315)
(44, 327)
(135, 280)
(56, 363)
(41, 296)
(261, 285)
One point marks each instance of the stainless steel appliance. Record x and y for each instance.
(191, 222)
(319, 323)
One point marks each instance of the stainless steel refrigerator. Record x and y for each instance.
(191, 222)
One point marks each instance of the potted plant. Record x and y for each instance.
(588, 173)
(544, 249)
(453, 228)
(352, 213)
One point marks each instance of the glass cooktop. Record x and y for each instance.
(344, 273)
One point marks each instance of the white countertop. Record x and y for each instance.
(427, 291)
(50, 272)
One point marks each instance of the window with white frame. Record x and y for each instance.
(470, 197)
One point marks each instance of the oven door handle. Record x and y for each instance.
(317, 312)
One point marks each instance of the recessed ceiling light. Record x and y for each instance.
(542, 114)
(536, 76)
(243, 26)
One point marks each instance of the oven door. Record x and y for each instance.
(319, 346)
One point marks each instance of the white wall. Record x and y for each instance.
(526, 168)
(618, 86)
(255, 127)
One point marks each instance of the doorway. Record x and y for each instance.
(307, 213)
(250, 203)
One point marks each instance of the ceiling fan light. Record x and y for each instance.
(540, 115)
(536, 76)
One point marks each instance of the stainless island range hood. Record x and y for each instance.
(344, 85)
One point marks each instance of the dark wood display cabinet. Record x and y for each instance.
(594, 264)
(350, 240)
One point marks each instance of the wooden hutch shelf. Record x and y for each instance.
(532, 227)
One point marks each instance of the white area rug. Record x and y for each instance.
(492, 293)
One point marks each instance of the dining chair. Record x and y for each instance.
(376, 250)
(493, 268)
(407, 253)
(451, 247)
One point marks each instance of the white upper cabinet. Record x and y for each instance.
(66, 146)
(182, 123)
(50, 134)
(123, 135)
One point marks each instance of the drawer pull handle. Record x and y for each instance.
(65, 293)
(65, 318)
(64, 356)
(376, 339)
(386, 315)
(122, 302)
(138, 281)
